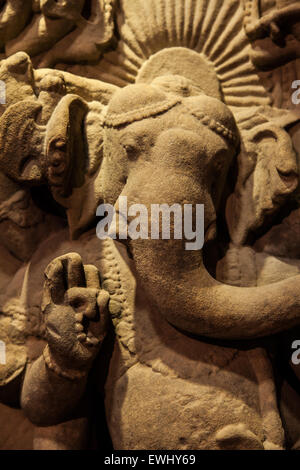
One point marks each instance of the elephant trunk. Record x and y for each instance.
(182, 290)
(190, 299)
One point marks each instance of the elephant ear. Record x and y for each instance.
(267, 170)
(74, 137)
(64, 145)
(73, 152)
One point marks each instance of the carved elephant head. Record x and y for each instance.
(163, 147)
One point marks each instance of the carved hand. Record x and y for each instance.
(76, 314)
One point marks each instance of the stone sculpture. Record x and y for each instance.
(183, 108)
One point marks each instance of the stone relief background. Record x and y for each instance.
(176, 345)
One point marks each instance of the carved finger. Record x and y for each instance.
(92, 277)
(98, 329)
(102, 301)
(55, 282)
(74, 270)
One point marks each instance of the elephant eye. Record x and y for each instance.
(131, 149)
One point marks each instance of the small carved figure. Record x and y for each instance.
(281, 24)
